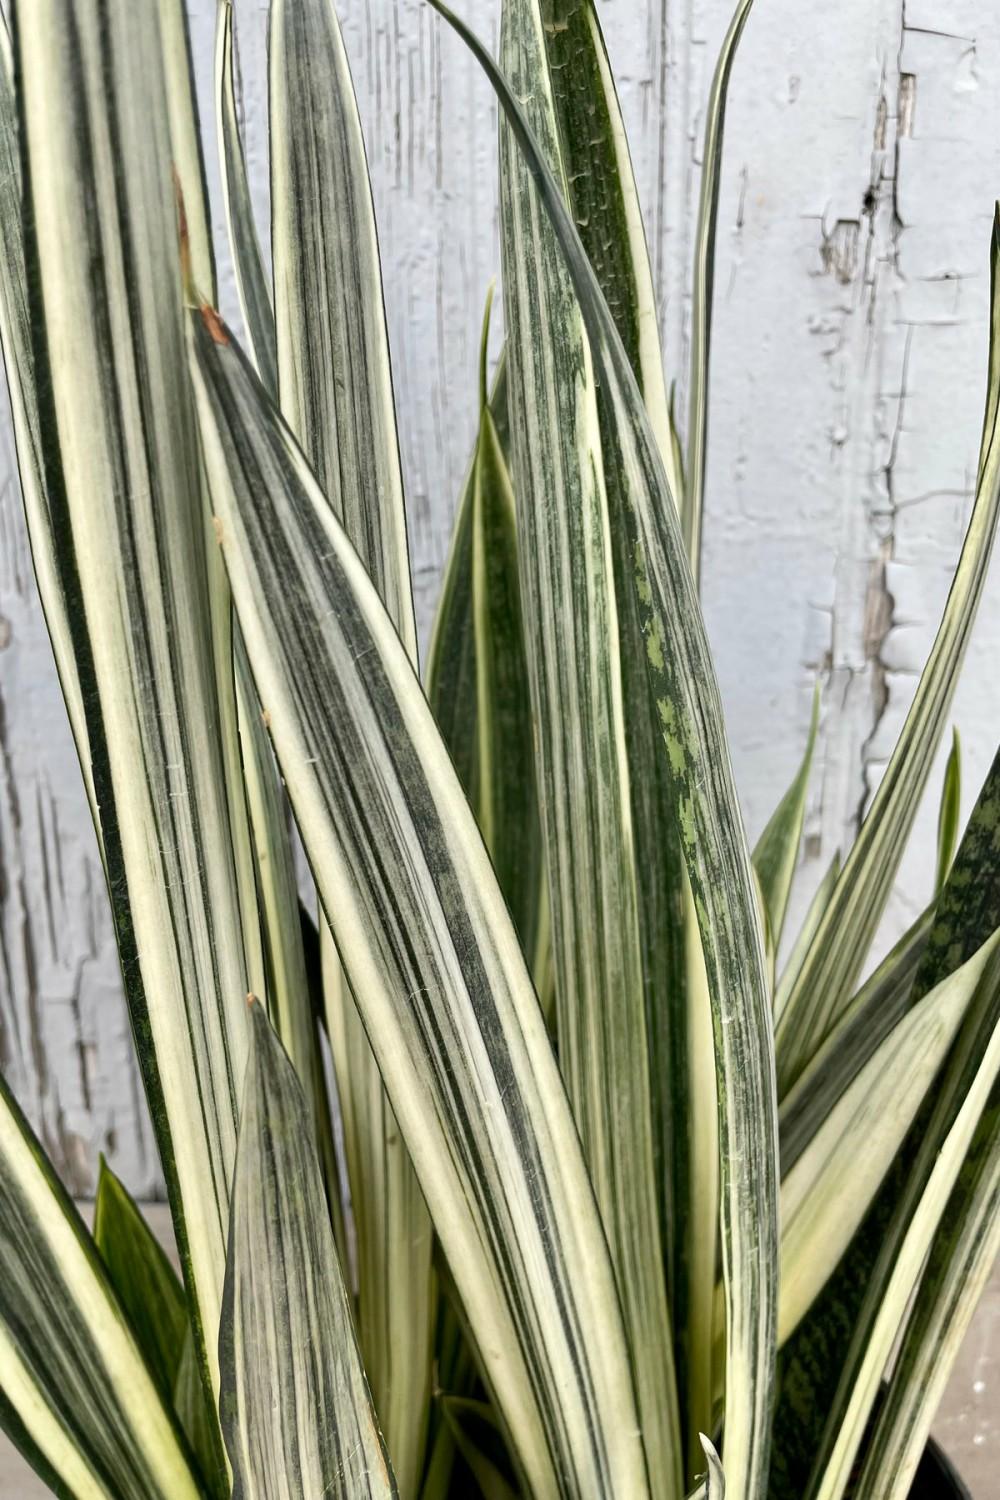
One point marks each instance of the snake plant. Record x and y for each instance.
(633, 1193)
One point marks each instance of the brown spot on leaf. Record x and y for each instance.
(214, 324)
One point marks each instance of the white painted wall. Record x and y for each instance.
(863, 158)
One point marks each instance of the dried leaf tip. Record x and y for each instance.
(184, 239)
(214, 324)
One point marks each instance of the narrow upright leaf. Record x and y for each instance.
(428, 948)
(806, 933)
(968, 1082)
(880, 1004)
(19, 362)
(451, 658)
(122, 461)
(777, 850)
(950, 811)
(296, 1409)
(507, 798)
(252, 282)
(704, 286)
(333, 353)
(714, 845)
(76, 1394)
(818, 1379)
(335, 390)
(574, 635)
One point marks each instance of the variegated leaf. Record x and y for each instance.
(19, 361)
(880, 1004)
(578, 628)
(826, 1194)
(76, 1394)
(122, 456)
(428, 948)
(714, 845)
(335, 389)
(704, 286)
(142, 1276)
(252, 281)
(851, 1319)
(962, 1258)
(296, 1410)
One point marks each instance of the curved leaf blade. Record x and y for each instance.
(507, 797)
(881, 1003)
(428, 948)
(825, 1196)
(142, 1276)
(949, 811)
(123, 463)
(818, 1377)
(76, 1394)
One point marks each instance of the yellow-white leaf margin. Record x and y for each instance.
(428, 948)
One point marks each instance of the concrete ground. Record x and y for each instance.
(968, 1425)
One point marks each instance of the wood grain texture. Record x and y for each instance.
(862, 161)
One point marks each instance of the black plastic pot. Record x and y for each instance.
(936, 1479)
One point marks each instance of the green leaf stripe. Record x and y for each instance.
(714, 844)
(75, 1392)
(296, 1410)
(122, 459)
(428, 949)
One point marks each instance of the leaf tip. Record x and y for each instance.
(213, 322)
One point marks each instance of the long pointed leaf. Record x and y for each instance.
(19, 361)
(296, 1409)
(878, 1007)
(122, 461)
(335, 388)
(777, 850)
(572, 631)
(428, 948)
(507, 798)
(600, 191)
(714, 846)
(252, 284)
(969, 1080)
(704, 286)
(949, 811)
